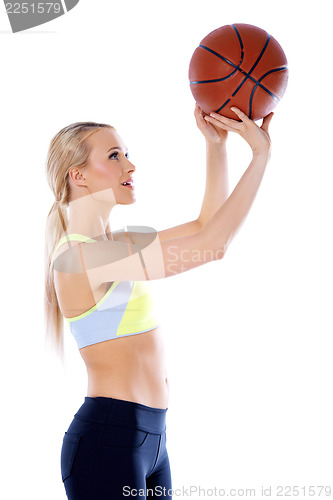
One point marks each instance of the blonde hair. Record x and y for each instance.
(68, 149)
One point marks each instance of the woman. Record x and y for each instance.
(99, 281)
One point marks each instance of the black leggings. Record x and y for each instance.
(116, 449)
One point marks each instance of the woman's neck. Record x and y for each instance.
(89, 217)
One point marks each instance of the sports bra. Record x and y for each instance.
(126, 309)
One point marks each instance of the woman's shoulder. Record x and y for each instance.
(75, 291)
(67, 242)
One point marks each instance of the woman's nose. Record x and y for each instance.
(131, 167)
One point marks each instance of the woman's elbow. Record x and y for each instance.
(220, 252)
(212, 254)
(213, 248)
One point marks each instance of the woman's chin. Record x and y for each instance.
(126, 202)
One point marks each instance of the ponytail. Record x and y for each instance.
(56, 225)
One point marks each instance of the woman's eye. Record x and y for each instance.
(115, 155)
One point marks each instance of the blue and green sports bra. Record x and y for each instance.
(127, 308)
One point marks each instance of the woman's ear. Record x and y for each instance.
(77, 177)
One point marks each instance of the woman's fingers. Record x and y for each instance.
(266, 122)
(221, 122)
(197, 112)
(240, 114)
(224, 119)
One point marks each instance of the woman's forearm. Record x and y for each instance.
(217, 180)
(222, 227)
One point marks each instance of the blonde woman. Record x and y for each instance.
(98, 279)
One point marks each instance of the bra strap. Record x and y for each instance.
(70, 237)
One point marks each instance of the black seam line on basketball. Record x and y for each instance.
(237, 67)
(261, 54)
(272, 71)
(193, 82)
(255, 64)
(219, 55)
(240, 43)
(226, 102)
(257, 82)
(238, 36)
(220, 79)
(258, 85)
(264, 76)
(214, 81)
(226, 60)
(248, 74)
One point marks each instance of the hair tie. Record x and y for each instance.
(55, 206)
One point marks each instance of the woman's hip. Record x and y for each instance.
(110, 434)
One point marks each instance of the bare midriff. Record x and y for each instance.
(131, 368)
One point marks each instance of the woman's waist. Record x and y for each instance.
(108, 410)
(133, 352)
(146, 387)
(129, 369)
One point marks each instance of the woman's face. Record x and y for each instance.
(108, 167)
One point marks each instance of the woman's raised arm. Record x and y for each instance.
(226, 222)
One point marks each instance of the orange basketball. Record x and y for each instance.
(238, 65)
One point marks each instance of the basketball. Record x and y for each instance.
(238, 65)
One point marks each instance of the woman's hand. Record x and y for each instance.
(212, 133)
(257, 137)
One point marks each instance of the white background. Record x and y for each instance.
(248, 338)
